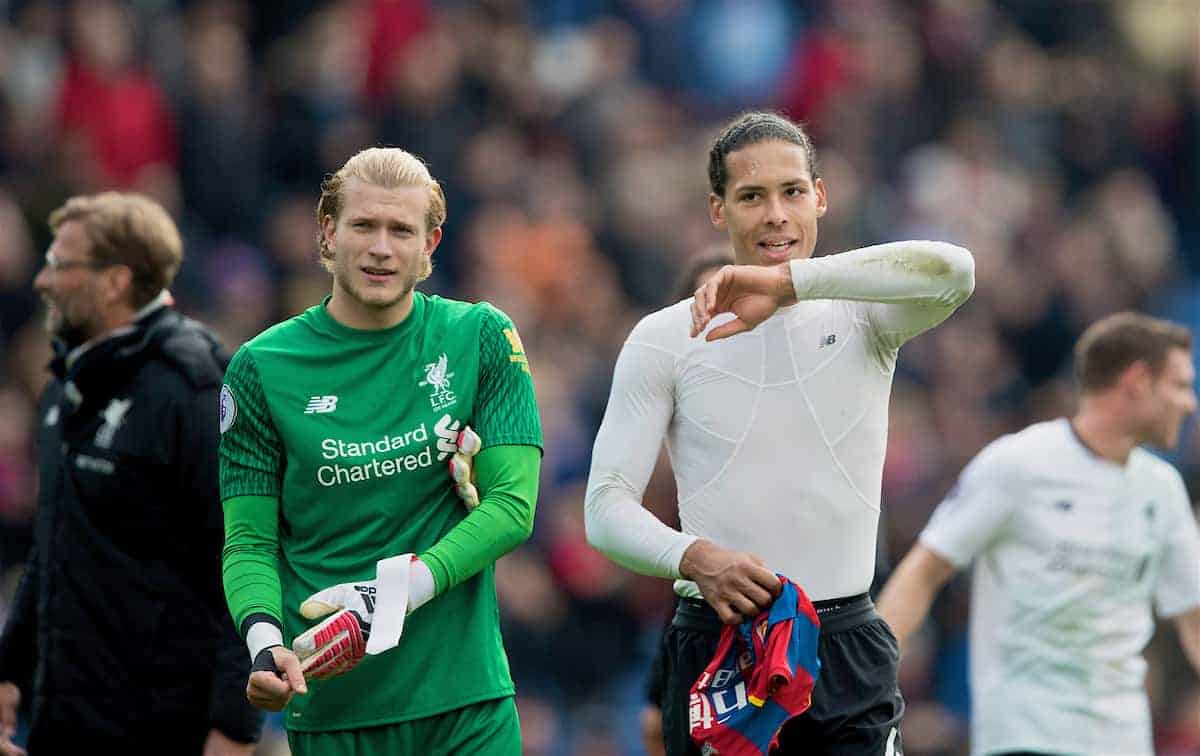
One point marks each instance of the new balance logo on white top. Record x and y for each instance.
(321, 405)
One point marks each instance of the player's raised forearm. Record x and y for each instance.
(507, 478)
(753, 293)
(906, 597)
(928, 272)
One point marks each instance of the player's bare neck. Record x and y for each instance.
(1103, 436)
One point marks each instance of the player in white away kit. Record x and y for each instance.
(1075, 533)
(776, 437)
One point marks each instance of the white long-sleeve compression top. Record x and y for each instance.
(776, 436)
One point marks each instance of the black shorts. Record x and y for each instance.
(656, 675)
(856, 704)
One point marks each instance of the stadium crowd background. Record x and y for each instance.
(1060, 141)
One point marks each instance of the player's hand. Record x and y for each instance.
(339, 643)
(219, 744)
(735, 584)
(651, 721)
(10, 700)
(336, 645)
(275, 677)
(358, 597)
(462, 467)
(751, 292)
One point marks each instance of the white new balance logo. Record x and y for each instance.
(321, 405)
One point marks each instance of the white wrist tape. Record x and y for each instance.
(262, 635)
(420, 585)
(391, 602)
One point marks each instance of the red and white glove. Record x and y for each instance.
(339, 642)
(462, 467)
(333, 647)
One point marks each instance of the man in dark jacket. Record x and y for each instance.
(119, 627)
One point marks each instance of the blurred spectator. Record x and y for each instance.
(111, 110)
(221, 132)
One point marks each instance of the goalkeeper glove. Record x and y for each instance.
(462, 467)
(339, 643)
(334, 646)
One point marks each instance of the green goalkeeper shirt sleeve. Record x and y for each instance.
(507, 478)
(249, 562)
(251, 455)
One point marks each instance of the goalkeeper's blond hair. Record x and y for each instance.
(386, 167)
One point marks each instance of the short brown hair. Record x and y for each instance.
(388, 167)
(131, 230)
(685, 285)
(1112, 344)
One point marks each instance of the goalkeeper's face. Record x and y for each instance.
(380, 243)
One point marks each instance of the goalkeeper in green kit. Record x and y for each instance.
(345, 534)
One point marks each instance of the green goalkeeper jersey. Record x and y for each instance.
(351, 432)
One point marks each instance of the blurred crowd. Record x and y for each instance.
(1059, 141)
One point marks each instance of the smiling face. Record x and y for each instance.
(1170, 399)
(381, 250)
(771, 203)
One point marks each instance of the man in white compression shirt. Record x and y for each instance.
(776, 436)
(1076, 534)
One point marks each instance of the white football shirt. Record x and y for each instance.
(1071, 551)
(776, 436)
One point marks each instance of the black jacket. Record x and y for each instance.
(119, 628)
